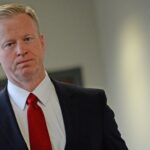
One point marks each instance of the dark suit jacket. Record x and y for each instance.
(89, 122)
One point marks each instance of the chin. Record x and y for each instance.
(25, 73)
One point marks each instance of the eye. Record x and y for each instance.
(28, 39)
(8, 44)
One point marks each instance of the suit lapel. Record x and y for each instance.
(70, 115)
(10, 133)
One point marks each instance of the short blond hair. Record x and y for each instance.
(12, 9)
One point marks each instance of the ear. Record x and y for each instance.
(42, 41)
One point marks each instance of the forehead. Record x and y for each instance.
(16, 23)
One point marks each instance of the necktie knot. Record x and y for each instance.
(32, 99)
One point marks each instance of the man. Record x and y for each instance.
(76, 118)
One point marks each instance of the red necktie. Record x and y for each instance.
(38, 133)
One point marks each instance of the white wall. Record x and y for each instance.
(124, 29)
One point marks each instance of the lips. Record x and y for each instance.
(24, 62)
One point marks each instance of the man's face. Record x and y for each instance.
(21, 48)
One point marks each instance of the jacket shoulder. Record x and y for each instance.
(79, 93)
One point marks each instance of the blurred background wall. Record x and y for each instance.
(109, 40)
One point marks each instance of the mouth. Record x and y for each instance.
(24, 62)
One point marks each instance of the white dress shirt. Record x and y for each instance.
(50, 105)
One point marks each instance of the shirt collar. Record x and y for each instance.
(42, 91)
(17, 94)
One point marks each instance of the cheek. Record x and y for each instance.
(6, 60)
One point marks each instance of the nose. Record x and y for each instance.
(21, 49)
